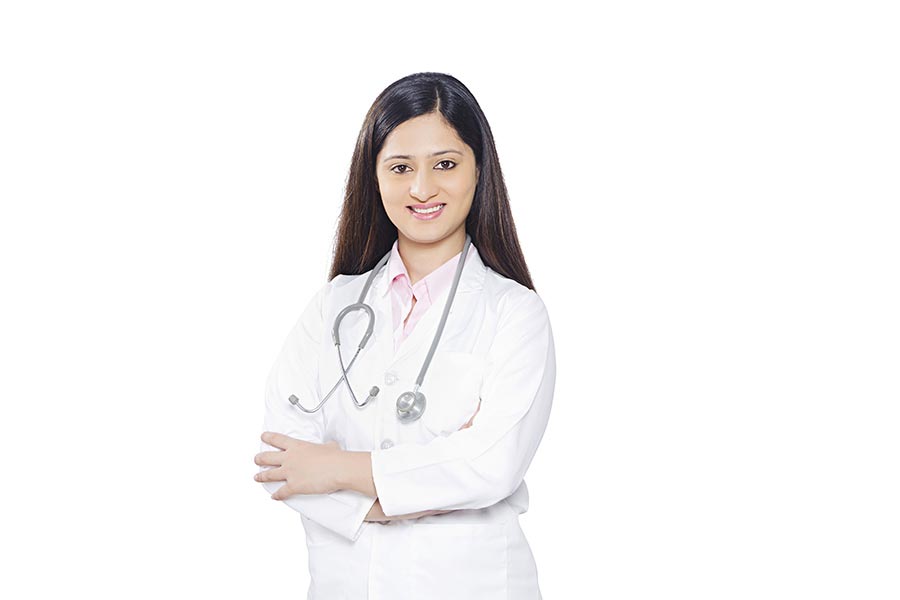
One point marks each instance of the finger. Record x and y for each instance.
(468, 423)
(279, 440)
(276, 457)
(275, 474)
(282, 493)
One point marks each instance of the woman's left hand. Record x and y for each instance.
(306, 467)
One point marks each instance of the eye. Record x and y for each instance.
(447, 161)
(399, 172)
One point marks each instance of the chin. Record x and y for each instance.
(420, 239)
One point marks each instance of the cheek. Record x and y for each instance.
(463, 195)
(463, 183)
(391, 197)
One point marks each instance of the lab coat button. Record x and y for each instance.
(386, 444)
(390, 378)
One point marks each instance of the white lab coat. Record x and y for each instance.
(497, 346)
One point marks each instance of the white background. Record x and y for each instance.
(706, 194)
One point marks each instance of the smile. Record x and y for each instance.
(426, 214)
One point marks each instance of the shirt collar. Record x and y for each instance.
(434, 283)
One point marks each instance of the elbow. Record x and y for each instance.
(507, 487)
(491, 488)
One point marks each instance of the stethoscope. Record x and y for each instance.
(410, 405)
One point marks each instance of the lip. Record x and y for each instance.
(427, 217)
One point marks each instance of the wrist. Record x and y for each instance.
(375, 513)
(355, 472)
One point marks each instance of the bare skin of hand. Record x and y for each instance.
(310, 468)
(377, 515)
(305, 467)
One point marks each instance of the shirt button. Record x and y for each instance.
(386, 444)
(390, 378)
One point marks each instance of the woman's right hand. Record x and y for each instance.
(472, 418)
(377, 515)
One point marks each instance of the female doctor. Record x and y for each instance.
(402, 437)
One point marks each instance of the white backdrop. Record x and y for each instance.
(706, 195)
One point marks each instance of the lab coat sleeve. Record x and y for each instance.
(294, 372)
(485, 463)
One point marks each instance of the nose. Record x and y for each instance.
(423, 186)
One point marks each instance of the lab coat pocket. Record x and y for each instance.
(462, 560)
(452, 386)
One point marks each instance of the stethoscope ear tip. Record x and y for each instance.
(372, 393)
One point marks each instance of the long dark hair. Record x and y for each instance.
(365, 233)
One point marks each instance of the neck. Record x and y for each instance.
(421, 259)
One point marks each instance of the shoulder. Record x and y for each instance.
(511, 299)
(326, 292)
(341, 280)
(342, 286)
(340, 290)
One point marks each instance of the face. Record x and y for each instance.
(424, 164)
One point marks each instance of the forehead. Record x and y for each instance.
(421, 135)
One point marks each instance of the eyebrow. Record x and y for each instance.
(408, 156)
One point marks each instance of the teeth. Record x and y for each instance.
(427, 210)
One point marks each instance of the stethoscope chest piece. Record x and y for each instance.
(410, 406)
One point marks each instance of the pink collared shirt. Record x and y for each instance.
(425, 290)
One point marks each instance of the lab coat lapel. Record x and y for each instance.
(419, 341)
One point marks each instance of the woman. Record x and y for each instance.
(396, 502)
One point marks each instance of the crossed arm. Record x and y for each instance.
(359, 478)
(355, 473)
(350, 470)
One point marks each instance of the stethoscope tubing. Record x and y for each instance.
(410, 405)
